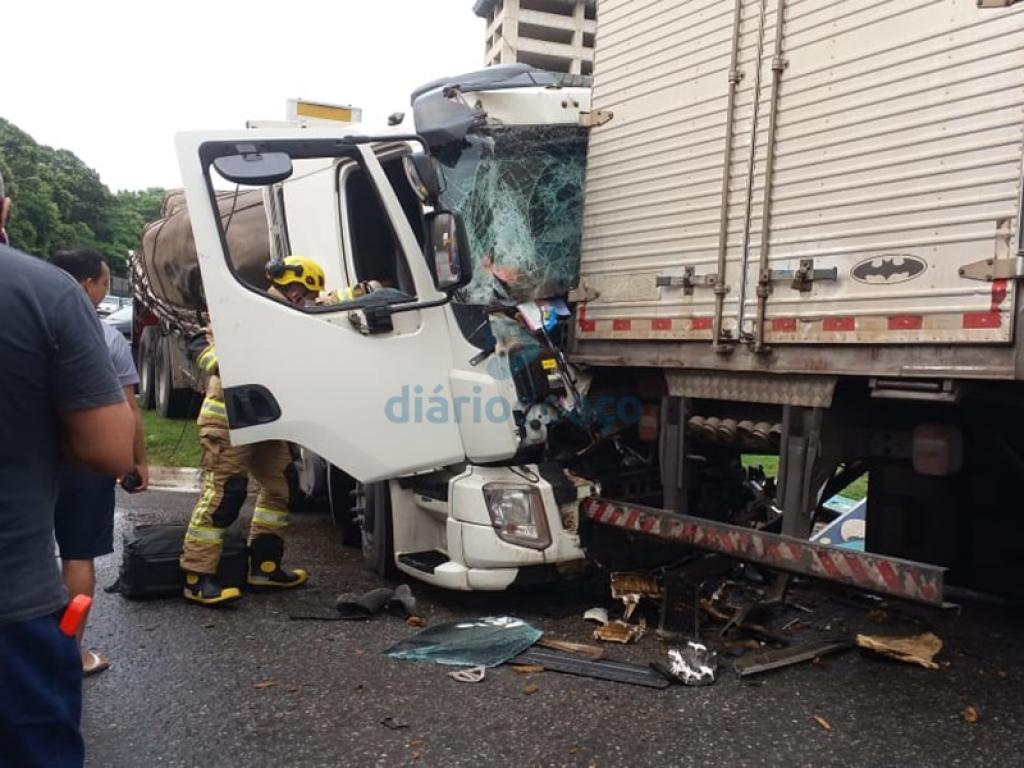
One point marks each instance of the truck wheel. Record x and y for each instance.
(146, 366)
(378, 531)
(171, 403)
(341, 500)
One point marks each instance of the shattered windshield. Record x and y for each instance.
(520, 192)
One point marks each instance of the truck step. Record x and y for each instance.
(424, 561)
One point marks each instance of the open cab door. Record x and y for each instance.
(337, 376)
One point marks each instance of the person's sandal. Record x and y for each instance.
(94, 664)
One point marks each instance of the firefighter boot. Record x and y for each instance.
(265, 553)
(203, 589)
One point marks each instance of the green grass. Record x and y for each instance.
(170, 442)
(856, 490)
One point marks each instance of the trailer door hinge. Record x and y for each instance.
(690, 280)
(988, 270)
(595, 118)
(803, 277)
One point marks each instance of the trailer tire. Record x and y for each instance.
(340, 501)
(378, 530)
(171, 403)
(148, 342)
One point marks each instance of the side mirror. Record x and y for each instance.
(422, 175)
(254, 168)
(449, 245)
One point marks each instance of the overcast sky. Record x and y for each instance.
(114, 80)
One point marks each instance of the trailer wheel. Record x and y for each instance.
(146, 365)
(341, 501)
(378, 531)
(171, 403)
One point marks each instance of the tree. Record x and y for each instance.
(60, 202)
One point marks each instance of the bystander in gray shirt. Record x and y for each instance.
(53, 360)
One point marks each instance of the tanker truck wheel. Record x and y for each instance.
(148, 343)
(171, 403)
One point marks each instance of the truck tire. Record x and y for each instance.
(378, 531)
(340, 501)
(171, 403)
(147, 367)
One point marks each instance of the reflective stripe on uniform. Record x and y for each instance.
(214, 409)
(205, 499)
(275, 518)
(204, 534)
(207, 359)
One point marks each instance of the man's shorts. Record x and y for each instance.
(84, 518)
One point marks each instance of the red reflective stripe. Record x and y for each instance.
(784, 324)
(661, 324)
(622, 325)
(982, 319)
(700, 323)
(906, 323)
(839, 324)
(586, 325)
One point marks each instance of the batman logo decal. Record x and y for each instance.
(889, 269)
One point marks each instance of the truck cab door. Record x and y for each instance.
(353, 383)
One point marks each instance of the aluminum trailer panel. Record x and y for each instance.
(885, 141)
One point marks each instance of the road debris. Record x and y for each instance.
(913, 649)
(823, 722)
(619, 631)
(971, 715)
(531, 689)
(471, 675)
(693, 664)
(605, 669)
(631, 587)
(265, 684)
(399, 601)
(594, 652)
(393, 724)
(486, 642)
(527, 669)
(600, 615)
(757, 663)
(416, 621)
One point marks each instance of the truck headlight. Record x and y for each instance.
(517, 514)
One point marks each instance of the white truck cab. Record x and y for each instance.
(424, 391)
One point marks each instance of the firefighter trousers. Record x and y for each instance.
(226, 471)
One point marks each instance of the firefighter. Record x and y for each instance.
(227, 468)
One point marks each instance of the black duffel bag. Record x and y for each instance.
(149, 561)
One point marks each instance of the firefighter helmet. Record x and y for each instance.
(297, 270)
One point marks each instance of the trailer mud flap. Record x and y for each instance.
(875, 573)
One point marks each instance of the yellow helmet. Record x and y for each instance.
(297, 269)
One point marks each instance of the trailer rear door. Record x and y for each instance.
(892, 176)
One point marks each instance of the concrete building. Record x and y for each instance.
(557, 35)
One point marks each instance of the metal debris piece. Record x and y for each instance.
(594, 652)
(393, 724)
(693, 664)
(527, 669)
(971, 715)
(600, 615)
(783, 657)
(619, 632)
(630, 587)
(823, 722)
(615, 671)
(913, 649)
(531, 689)
(265, 684)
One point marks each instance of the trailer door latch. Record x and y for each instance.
(803, 277)
(689, 280)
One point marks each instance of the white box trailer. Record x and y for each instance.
(884, 141)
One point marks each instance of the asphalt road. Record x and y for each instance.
(249, 686)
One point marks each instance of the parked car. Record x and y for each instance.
(112, 303)
(121, 319)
